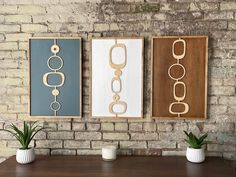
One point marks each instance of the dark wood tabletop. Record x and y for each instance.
(124, 166)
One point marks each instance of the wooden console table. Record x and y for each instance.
(124, 166)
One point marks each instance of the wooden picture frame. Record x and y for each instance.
(106, 46)
(58, 95)
(191, 52)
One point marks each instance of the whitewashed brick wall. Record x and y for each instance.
(21, 19)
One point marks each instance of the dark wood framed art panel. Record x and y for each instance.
(179, 77)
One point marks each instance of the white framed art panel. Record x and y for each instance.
(131, 78)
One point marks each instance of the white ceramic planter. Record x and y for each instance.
(195, 155)
(25, 156)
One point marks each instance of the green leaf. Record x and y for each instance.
(26, 135)
(194, 141)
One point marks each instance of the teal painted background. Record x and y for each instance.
(41, 97)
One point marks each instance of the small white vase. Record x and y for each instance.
(195, 155)
(25, 156)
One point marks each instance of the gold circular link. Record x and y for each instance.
(55, 48)
(55, 92)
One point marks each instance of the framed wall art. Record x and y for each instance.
(179, 77)
(117, 78)
(55, 74)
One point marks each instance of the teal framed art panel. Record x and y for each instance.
(55, 72)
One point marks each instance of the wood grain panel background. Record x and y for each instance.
(195, 63)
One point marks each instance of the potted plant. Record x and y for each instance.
(195, 152)
(25, 154)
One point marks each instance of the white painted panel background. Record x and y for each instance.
(131, 77)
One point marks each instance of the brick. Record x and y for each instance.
(17, 2)
(219, 147)
(63, 152)
(33, 28)
(23, 46)
(208, 6)
(3, 108)
(17, 91)
(217, 109)
(166, 127)
(227, 45)
(216, 82)
(227, 138)
(8, 46)
(2, 37)
(162, 144)
(88, 152)
(17, 108)
(107, 127)
(173, 153)
(229, 155)
(11, 81)
(232, 25)
(64, 126)
(100, 144)
(19, 55)
(45, 2)
(11, 28)
(14, 73)
(144, 136)
(93, 126)
(227, 100)
(10, 99)
(114, 27)
(16, 144)
(226, 127)
(42, 151)
(31, 9)
(232, 110)
(135, 126)
(133, 144)
(88, 135)
(115, 136)
(8, 64)
(18, 37)
(230, 82)
(5, 54)
(40, 135)
(24, 99)
(121, 126)
(227, 6)
(8, 116)
(3, 143)
(173, 136)
(210, 128)
(147, 7)
(146, 152)
(149, 127)
(101, 27)
(7, 151)
(18, 19)
(78, 126)
(48, 144)
(222, 90)
(46, 18)
(8, 9)
(219, 15)
(60, 135)
(73, 144)
(180, 127)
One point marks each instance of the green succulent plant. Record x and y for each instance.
(194, 141)
(26, 135)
